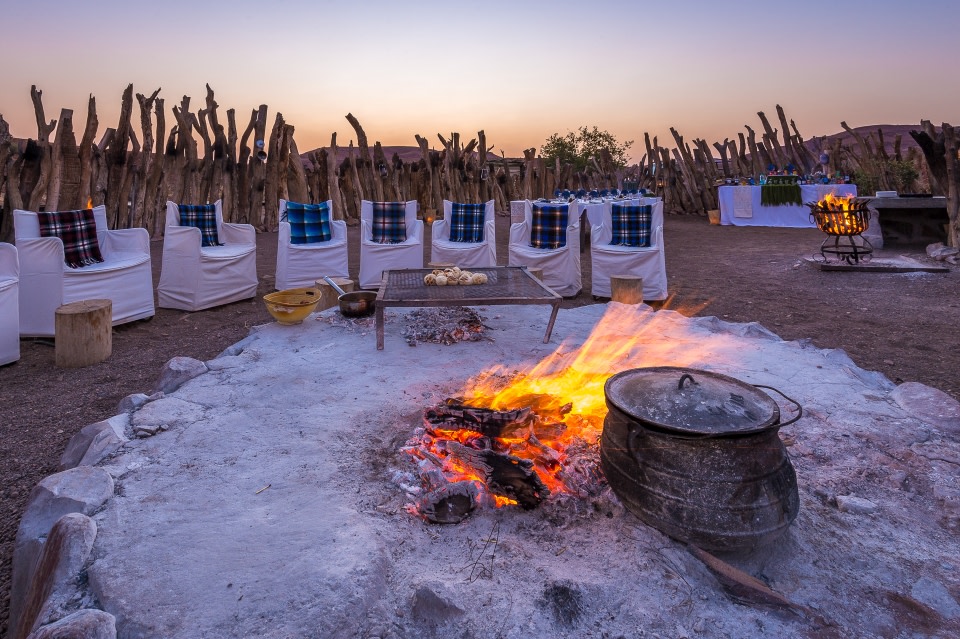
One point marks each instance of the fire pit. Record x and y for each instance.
(843, 219)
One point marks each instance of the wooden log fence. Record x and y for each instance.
(133, 170)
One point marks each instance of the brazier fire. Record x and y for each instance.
(843, 219)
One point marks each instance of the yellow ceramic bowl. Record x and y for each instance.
(292, 305)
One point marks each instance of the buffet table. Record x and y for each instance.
(740, 205)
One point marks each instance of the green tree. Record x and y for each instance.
(578, 148)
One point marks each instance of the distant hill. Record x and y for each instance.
(890, 132)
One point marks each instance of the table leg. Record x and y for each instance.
(378, 317)
(553, 318)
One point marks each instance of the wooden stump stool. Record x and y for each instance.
(536, 272)
(329, 296)
(83, 333)
(440, 265)
(626, 289)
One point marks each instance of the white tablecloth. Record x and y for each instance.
(740, 206)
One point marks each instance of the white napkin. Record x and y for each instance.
(743, 201)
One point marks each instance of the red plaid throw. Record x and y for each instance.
(78, 232)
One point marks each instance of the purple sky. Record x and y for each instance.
(519, 70)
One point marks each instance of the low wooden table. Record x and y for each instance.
(505, 285)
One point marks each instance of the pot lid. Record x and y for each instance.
(691, 401)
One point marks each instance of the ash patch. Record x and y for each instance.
(445, 325)
(564, 600)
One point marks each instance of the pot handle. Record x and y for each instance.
(792, 401)
(339, 290)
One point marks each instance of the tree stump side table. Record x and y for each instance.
(626, 289)
(329, 296)
(83, 333)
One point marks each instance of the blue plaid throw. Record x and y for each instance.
(549, 229)
(389, 222)
(466, 222)
(631, 224)
(203, 217)
(78, 232)
(309, 223)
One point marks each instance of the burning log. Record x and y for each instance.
(504, 475)
(453, 415)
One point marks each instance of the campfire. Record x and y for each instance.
(843, 219)
(518, 439)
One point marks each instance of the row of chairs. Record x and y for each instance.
(34, 279)
(561, 265)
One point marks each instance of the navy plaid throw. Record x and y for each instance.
(203, 217)
(466, 222)
(389, 222)
(549, 226)
(309, 223)
(631, 224)
(78, 232)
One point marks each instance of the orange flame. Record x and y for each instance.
(832, 202)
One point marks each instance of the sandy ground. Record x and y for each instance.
(902, 325)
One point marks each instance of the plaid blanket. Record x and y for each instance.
(631, 224)
(78, 232)
(309, 223)
(389, 222)
(549, 229)
(203, 217)
(466, 222)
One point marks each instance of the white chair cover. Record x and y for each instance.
(647, 262)
(561, 266)
(465, 254)
(301, 265)
(195, 277)
(375, 258)
(9, 304)
(46, 282)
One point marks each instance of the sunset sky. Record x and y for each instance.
(518, 70)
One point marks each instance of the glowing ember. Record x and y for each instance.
(546, 419)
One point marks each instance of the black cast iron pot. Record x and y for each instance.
(698, 456)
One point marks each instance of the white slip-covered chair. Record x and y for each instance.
(375, 258)
(301, 265)
(560, 266)
(124, 277)
(647, 262)
(195, 277)
(9, 304)
(464, 254)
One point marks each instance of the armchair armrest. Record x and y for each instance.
(417, 232)
(9, 263)
(135, 240)
(440, 229)
(519, 233)
(600, 234)
(233, 233)
(40, 256)
(489, 231)
(181, 240)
